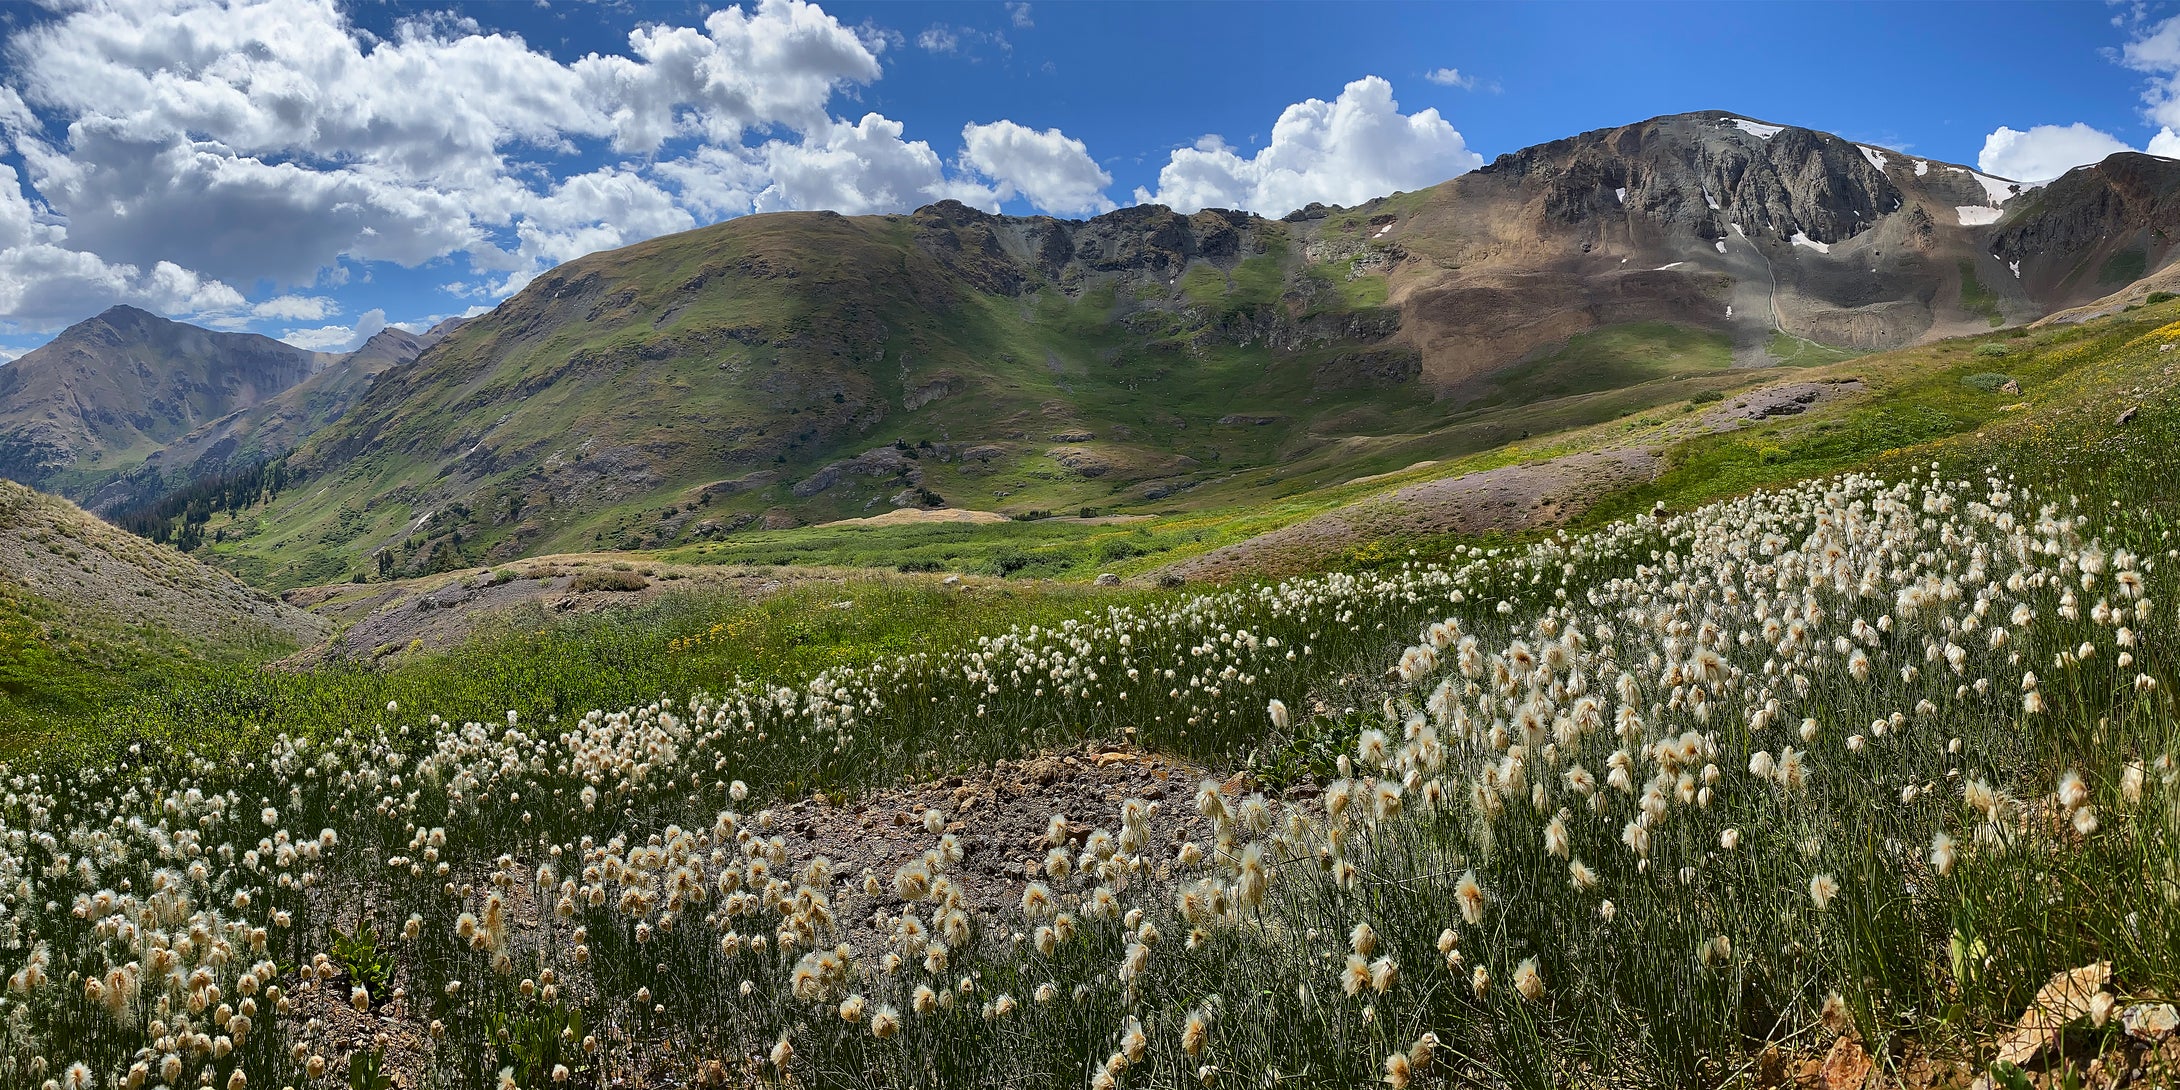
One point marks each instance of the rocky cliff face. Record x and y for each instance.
(1707, 219)
(2093, 230)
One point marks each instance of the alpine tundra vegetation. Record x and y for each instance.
(742, 596)
(1878, 753)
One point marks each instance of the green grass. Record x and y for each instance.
(1354, 292)
(1801, 352)
(77, 697)
(1668, 951)
(2124, 267)
(1612, 359)
(1681, 948)
(61, 666)
(1927, 396)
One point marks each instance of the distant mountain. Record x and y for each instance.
(267, 429)
(2093, 231)
(804, 367)
(127, 406)
(1710, 220)
(111, 390)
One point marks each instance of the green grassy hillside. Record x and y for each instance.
(1656, 799)
(90, 615)
(792, 370)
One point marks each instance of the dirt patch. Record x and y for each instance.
(1518, 497)
(1510, 498)
(434, 613)
(912, 515)
(1773, 402)
(999, 817)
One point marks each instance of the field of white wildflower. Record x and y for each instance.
(1632, 804)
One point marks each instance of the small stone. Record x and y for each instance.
(1846, 1067)
(2150, 1022)
(1108, 579)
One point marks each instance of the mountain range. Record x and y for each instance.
(794, 368)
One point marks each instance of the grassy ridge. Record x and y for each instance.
(66, 700)
(697, 387)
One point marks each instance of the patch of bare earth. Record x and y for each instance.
(1510, 498)
(383, 620)
(909, 516)
(1773, 403)
(999, 815)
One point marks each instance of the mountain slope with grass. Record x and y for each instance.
(244, 441)
(88, 612)
(804, 368)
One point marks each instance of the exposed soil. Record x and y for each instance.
(1509, 498)
(1000, 816)
(1773, 402)
(913, 515)
(379, 620)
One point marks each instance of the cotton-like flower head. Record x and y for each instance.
(1822, 888)
(2073, 792)
(1195, 1033)
(1037, 901)
(1354, 975)
(1469, 893)
(1943, 854)
(1399, 1069)
(1133, 1041)
(1529, 980)
(1363, 939)
(1384, 973)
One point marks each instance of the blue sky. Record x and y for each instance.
(314, 169)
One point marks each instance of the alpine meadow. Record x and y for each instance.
(597, 546)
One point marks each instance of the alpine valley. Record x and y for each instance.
(795, 369)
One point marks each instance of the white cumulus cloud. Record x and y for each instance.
(296, 308)
(1050, 169)
(249, 141)
(172, 148)
(2043, 152)
(1451, 77)
(44, 284)
(338, 338)
(860, 169)
(1346, 151)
